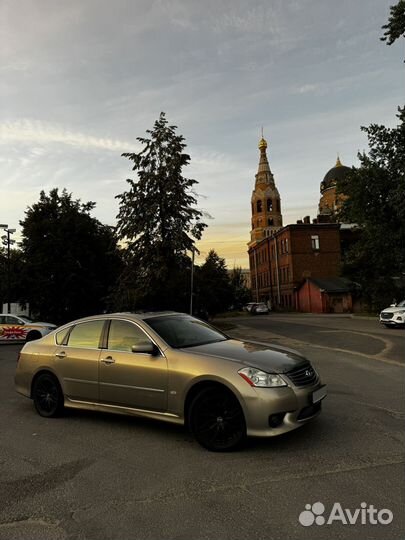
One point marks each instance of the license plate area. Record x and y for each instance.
(319, 394)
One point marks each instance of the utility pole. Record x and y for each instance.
(7, 241)
(192, 280)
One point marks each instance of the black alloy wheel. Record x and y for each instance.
(217, 420)
(47, 396)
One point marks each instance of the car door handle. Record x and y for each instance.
(108, 360)
(60, 354)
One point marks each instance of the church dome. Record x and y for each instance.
(334, 174)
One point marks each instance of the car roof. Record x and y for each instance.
(126, 314)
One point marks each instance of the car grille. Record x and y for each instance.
(303, 375)
(387, 315)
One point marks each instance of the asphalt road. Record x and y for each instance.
(99, 476)
(364, 336)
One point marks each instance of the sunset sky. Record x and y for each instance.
(80, 80)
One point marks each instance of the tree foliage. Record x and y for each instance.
(395, 27)
(159, 223)
(375, 201)
(241, 294)
(214, 292)
(16, 263)
(70, 259)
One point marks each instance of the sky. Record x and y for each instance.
(81, 80)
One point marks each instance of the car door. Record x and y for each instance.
(12, 329)
(77, 360)
(132, 379)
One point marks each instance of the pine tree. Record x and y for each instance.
(158, 221)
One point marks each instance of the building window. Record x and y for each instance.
(286, 245)
(269, 205)
(315, 242)
(259, 206)
(278, 205)
(270, 222)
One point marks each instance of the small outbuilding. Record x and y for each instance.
(326, 295)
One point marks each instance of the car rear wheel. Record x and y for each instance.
(216, 420)
(34, 334)
(47, 395)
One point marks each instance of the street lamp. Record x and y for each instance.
(7, 241)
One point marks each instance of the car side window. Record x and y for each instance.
(2, 319)
(60, 336)
(123, 335)
(86, 335)
(12, 320)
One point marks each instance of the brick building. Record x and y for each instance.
(281, 258)
(281, 262)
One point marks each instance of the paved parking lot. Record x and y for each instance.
(100, 476)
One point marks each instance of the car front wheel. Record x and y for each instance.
(216, 420)
(47, 395)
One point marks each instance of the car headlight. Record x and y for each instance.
(400, 312)
(255, 377)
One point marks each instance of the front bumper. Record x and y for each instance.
(292, 405)
(393, 322)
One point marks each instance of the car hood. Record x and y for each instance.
(269, 358)
(393, 309)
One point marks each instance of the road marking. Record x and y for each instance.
(388, 345)
(266, 339)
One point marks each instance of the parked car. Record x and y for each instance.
(173, 367)
(259, 309)
(17, 328)
(393, 315)
(249, 306)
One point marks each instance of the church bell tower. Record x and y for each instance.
(265, 201)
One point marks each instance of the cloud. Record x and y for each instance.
(305, 88)
(40, 132)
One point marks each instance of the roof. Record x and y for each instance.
(334, 284)
(338, 172)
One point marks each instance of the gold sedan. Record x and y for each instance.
(174, 367)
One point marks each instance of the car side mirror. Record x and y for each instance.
(393, 305)
(147, 347)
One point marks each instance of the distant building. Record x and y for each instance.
(282, 259)
(326, 295)
(280, 263)
(330, 202)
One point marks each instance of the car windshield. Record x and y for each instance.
(184, 331)
(401, 304)
(26, 319)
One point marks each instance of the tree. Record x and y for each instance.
(158, 222)
(70, 259)
(16, 264)
(241, 294)
(374, 200)
(213, 287)
(395, 28)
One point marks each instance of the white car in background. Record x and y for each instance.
(393, 315)
(18, 328)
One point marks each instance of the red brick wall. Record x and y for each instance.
(310, 298)
(297, 260)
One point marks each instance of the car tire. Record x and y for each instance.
(216, 420)
(48, 396)
(33, 335)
